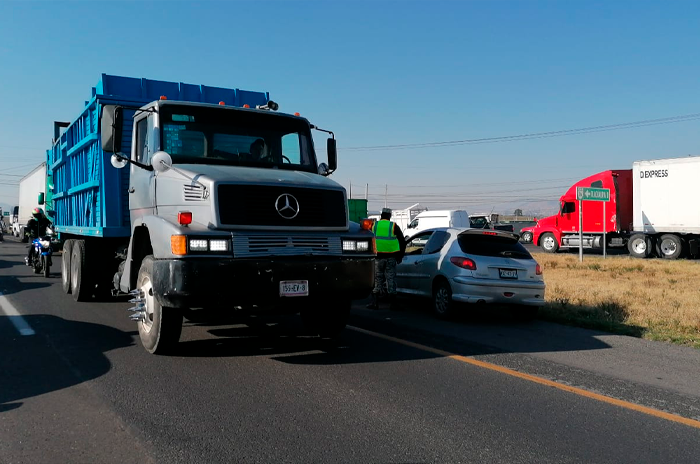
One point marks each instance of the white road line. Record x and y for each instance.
(12, 313)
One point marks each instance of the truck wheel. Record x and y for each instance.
(639, 246)
(443, 306)
(79, 274)
(549, 243)
(669, 246)
(327, 320)
(160, 327)
(65, 266)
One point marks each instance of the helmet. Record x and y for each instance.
(37, 212)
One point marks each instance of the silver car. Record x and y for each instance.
(471, 266)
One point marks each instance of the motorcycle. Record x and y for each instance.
(41, 258)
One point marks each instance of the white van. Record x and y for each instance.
(430, 219)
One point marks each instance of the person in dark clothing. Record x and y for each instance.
(36, 227)
(391, 247)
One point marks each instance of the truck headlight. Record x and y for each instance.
(198, 245)
(356, 245)
(218, 245)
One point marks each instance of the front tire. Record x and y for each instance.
(639, 246)
(161, 327)
(526, 237)
(669, 246)
(65, 266)
(549, 243)
(443, 306)
(45, 265)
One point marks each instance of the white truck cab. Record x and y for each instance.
(442, 218)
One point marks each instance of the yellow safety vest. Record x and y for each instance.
(385, 238)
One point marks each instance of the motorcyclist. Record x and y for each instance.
(35, 228)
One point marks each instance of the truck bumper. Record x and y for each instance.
(201, 283)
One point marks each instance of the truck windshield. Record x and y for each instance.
(238, 138)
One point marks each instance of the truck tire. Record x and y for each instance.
(549, 243)
(669, 246)
(639, 246)
(79, 274)
(326, 320)
(161, 327)
(65, 266)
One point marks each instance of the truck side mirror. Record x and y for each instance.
(332, 155)
(111, 128)
(40, 200)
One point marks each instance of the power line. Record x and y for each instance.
(534, 135)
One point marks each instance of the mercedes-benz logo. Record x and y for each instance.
(287, 206)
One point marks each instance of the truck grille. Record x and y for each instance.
(295, 245)
(256, 205)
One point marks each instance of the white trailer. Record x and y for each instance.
(30, 186)
(665, 193)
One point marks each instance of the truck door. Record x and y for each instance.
(568, 216)
(141, 181)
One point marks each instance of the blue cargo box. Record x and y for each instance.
(90, 196)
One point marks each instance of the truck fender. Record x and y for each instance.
(150, 235)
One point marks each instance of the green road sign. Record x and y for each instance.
(592, 194)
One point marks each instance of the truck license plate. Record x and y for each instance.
(508, 273)
(294, 288)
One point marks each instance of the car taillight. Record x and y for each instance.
(538, 270)
(464, 263)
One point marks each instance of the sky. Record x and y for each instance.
(385, 73)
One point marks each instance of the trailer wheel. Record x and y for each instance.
(327, 320)
(549, 243)
(65, 266)
(160, 327)
(639, 246)
(669, 246)
(79, 274)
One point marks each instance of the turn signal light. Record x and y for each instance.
(178, 244)
(367, 224)
(464, 263)
(184, 218)
(163, 97)
(222, 103)
(538, 270)
(297, 114)
(246, 106)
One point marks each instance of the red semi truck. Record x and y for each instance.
(651, 210)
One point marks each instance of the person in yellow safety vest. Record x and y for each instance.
(391, 246)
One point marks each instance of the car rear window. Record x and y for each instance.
(492, 245)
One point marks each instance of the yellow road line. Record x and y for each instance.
(532, 378)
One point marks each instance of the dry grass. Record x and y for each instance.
(654, 299)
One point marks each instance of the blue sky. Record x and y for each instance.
(384, 73)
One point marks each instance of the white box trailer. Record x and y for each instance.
(665, 194)
(30, 186)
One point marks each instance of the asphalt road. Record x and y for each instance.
(398, 387)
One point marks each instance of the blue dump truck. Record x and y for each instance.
(194, 198)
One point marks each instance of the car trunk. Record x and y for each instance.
(497, 256)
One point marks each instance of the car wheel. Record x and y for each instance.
(669, 246)
(549, 243)
(442, 300)
(639, 246)
(526, 237)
